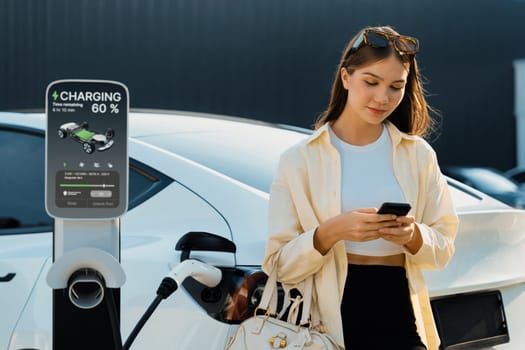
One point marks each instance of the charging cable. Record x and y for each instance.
(206, 274)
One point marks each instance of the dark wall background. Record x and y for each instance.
(272, 60)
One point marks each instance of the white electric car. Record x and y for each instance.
(211, 174)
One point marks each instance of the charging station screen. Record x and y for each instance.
(86, 149)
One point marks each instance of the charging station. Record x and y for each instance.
(86, 193)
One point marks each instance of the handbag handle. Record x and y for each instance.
(307, 300)
(269, 296)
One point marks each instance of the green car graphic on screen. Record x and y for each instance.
(90, 140)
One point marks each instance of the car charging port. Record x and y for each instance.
(86, 288)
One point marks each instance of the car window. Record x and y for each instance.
(519, 177)
(22, 182)
(144, 182)
(22, 204)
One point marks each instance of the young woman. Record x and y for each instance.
(367, 149)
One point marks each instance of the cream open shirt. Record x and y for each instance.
(306, 192)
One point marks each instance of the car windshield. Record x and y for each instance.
(487, 180)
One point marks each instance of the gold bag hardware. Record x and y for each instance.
(279, 337)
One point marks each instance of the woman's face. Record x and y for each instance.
(374, 91)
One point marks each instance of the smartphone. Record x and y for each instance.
(399, 209)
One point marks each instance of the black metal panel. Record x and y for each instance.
(272, 60)
(471, 320)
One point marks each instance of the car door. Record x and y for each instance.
(25, 238)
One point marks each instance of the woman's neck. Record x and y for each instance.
(356, 132)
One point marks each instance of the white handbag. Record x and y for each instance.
(268, 331)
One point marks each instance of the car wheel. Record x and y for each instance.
(89, 148)
(109, 133)
(62, 134)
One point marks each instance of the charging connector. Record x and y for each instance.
(202, 272)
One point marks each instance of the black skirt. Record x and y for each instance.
(376, 310)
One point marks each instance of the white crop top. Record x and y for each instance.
(367, 180)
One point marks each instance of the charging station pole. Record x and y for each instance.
(86, 193)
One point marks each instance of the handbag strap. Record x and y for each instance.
(269, 296)
(307, 300)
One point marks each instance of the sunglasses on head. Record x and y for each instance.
(404, 45)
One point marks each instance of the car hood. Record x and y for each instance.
(487, 254)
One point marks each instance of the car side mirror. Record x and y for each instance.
(203, 241)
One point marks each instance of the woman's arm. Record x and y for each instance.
(299, 257)
(438, 224)
(305, 249)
